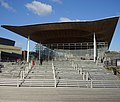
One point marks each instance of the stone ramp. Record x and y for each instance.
(10, 94)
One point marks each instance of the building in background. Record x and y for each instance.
(8, 52)
(83, 39)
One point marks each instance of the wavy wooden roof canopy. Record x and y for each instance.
(68, 32)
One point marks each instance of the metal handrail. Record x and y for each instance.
(54, 74)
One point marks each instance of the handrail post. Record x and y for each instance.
(23, 74)
(83, 75)
(91, 83)
(29, 66)
(55, 83)
(87, 76)
(81, 71)
(54, 75)
(17, 82)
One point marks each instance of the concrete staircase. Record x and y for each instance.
(59, 73)
(40, 76)
(10, 74)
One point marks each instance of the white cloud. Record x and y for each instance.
(65, 19)
(6, 5)
(28, 14)
(39, 8)
(57, 1)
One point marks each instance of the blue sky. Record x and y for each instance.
(22, 12)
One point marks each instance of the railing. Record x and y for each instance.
(54, 74)
(89, 83)
(38, 83)
(24, 73)
(61, 83)
(85, 75)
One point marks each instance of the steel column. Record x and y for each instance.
(39, 50)
(28, 48)
(95, 48)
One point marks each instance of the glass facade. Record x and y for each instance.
(85, 49)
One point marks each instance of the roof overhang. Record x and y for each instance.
(68, 32)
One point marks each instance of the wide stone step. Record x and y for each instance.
(10, 82)
(73, 83)
(38, 83)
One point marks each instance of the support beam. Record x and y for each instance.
(0, 56)
(39, 51)
(28, 48)
(95, 48)
(48, 53)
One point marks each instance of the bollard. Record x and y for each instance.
(75, 66)
(17, 82)
(83, 76)
(23, 74)
(81, 71)
(55, 83)
(29, 66)
(54, 74)
(87, 76)
(91, 83)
